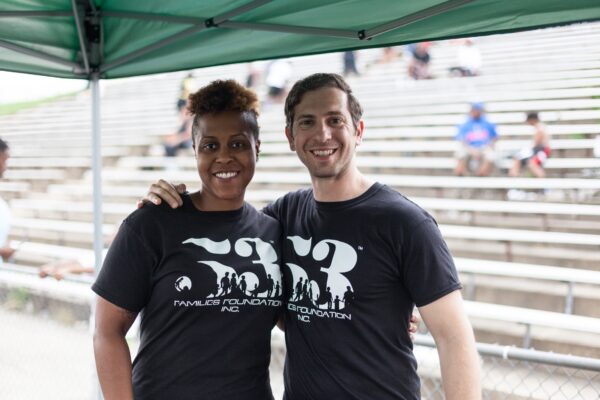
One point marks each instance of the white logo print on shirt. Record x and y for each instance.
(232, 290)
(183, 283)
(336, 296)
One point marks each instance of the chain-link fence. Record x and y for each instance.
(510, 373)
(46, 353)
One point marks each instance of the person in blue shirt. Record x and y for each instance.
(476, 137)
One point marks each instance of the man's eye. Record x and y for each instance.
(305, 122)
(336, 121)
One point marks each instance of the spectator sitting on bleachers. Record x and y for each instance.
(533, 157)
(278, 75)
(59, 269)
(181, 138)
(469, 59)
(418, 66)
(5, 250)
(186, 88)
(253, 76)
(349, 59)
(83, 265)
(477, 137)
(388, 54)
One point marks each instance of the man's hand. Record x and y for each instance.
(413, 326)
(163, 191)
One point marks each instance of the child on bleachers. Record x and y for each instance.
(533, 157)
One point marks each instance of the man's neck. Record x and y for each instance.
(347, 187)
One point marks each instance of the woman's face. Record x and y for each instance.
(226, 154)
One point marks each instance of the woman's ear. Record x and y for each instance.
(257, 146)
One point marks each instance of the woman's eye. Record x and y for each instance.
(238, 145)
(209, 146)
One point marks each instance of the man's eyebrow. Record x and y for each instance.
(336, 113)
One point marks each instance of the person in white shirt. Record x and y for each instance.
(278, 76)
(5, 250)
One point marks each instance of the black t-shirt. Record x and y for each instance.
(354, 270)
(210, 290)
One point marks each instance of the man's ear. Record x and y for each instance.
(290, 138)
(360, 130)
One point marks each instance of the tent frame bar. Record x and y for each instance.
(20, 14)
(238, 11)
(342, 33)
(209, 23)
(39, 54)
(82, 44)
(412, 18)
(153, 17)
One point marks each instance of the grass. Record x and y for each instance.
(13, 108)
(17, 299)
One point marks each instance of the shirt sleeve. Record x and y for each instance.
(126, 275)
(275, 208)
(269, 210)
(429, 271)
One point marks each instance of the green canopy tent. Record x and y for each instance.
(104, 39)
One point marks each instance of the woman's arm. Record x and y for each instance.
(113, 360)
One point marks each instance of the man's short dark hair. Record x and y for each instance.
(3, 146)
(532, 115)
(316, 82)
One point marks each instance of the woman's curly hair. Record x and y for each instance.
(224, 96)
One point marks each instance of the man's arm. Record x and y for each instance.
(446, 320)
(113, 360)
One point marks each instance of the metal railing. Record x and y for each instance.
(513, 373)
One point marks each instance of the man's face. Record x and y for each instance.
(322, 133)
(4, 156)
(226, 156)
(476, 113)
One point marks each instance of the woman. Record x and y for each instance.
(203, 275)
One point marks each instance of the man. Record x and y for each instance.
(536, 155)
(5, 250)
(476, 137)
(350, 235)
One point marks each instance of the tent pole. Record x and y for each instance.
(97, 172)
(97, 182)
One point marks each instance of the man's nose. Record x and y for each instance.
(324, 131)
